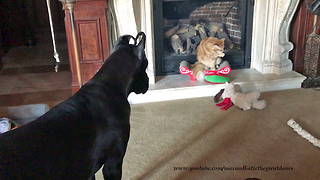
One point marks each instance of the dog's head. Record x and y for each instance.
(140, 81)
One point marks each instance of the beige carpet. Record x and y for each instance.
(194, 133)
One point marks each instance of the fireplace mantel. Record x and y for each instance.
(270, 37)
(270, 44)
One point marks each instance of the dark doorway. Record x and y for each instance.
(189, 21)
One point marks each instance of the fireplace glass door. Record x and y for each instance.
(180, 25)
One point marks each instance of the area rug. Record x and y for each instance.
(193, 139)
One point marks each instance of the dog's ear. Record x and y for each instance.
(141, 80)
(139, 49)
(123, 41)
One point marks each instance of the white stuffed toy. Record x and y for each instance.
(245, 101)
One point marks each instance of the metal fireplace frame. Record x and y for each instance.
(170, 64)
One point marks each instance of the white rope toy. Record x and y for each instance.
(303, 133)
(55, 53)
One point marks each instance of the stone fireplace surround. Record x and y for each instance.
(270, 37)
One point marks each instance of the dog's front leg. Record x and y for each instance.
(112, 169)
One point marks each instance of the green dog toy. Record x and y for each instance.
(216, 79)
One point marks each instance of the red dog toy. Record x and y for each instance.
(185, 69)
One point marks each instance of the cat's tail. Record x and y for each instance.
(198, 71)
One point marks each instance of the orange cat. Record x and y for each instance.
(210, 52)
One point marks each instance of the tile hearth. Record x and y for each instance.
(178, 86)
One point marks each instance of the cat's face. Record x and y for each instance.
(214, 46)
(210, 51)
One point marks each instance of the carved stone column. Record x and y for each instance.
(271, 46)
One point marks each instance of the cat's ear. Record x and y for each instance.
(223, 39)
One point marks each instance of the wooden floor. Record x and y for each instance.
(28, 75)
(18, 88)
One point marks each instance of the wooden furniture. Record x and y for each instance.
(92, 33)
(302, 25)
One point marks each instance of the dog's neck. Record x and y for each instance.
(112, 77)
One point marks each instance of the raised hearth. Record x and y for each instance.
(173, 87)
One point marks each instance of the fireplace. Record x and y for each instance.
(179, 26)
(270, 45)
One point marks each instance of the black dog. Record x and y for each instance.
(89, 130)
